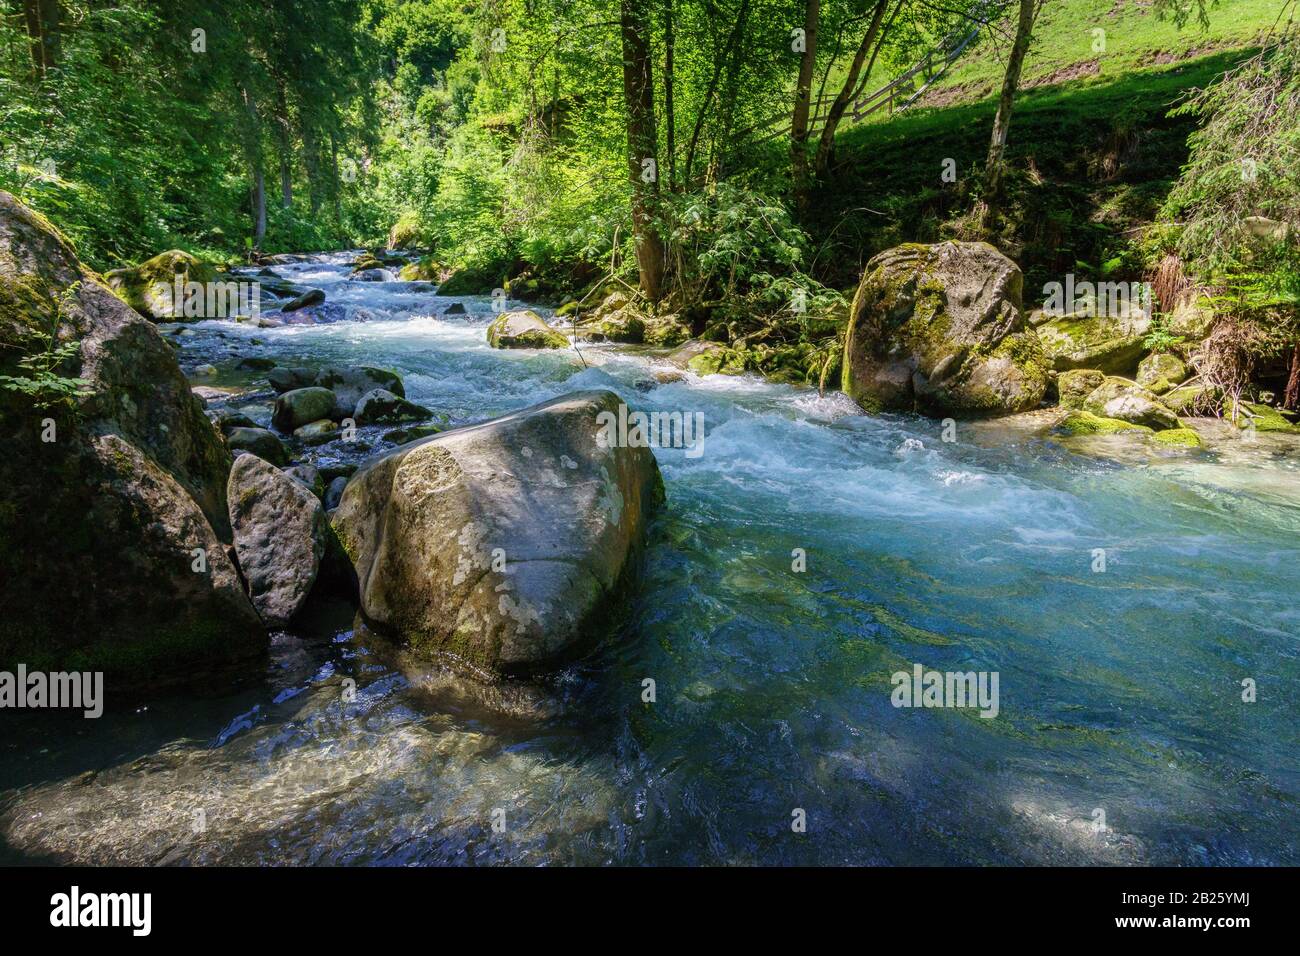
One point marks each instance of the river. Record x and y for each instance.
(1121, 737)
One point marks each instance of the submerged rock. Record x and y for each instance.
(524, 330)
(113, 523)
(501, 543)
(938, 329)
(280, 536)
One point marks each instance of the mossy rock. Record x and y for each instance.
(426, 269)
(1128, 401)
(524, 329)
(1086, 423)
(1111, 344)
(939, 329)
(1160, 372)
(1262, 418)
(1193, 400)
(149, 287)
(1074, 386)
(1179, 438)
(470, 282)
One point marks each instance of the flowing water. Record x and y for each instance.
(1120, 691)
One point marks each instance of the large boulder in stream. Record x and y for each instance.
(350, 382)
(1127, 401)
(501, 544)
(114, 534)
(938, 329)
(524, 329)
(150, 287)
(280, 537)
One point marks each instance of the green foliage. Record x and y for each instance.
(1160, 338)
(41, 385)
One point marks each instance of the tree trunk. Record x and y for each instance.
(42, 18)
(802, 98)
(731, 94)
(1002, 122)
(253, 149)
(338, 190)
(642, 143)
(670, 115)
(1291, 401)
(845, 96)
(286, 151)
(259, 207)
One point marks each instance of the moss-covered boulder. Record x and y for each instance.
(1111, 343)
(113, 523)
(1074, 386)
(1261, 418)
(426, 269)
(524, 329)
(470, 282)
(616, 319)
(665, 331)
(1129, 402)
(1179, 438)
(150, 287)
(1159, 372)
(1193, 400)
(938, 329)
(503, 544)
(1086, 423)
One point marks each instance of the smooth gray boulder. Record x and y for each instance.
(501, 544)
(280, 537)
(381, 407)
(350, 382)
(302, 406)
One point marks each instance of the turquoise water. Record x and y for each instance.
(1120, 691)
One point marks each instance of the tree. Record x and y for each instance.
(642, 143)
(802, 99)
(1002, 121)
(873, 37)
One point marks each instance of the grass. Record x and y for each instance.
(1091, 164)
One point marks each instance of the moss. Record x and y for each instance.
(1263, 418)
(1086, 423)
(1179, 437)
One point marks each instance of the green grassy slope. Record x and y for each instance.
(1093, 150)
